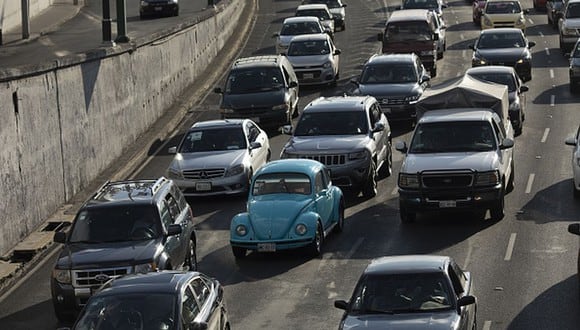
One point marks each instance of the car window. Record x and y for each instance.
(332, 123)
(292, 29)
(458, 280)
(499, 131)
(503, 7)
(374, 114)
(201, 290)
(501, 40)
(204, 140)
(319, 183)
(499, 78)
(282, 183)
(172, 206)
(166, 217)
(408, 31)
(573, 10)
(189, 308)
(320, 13)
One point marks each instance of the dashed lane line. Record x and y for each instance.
(530, 182)
(510, 247)
(486, 325)
(545, 136)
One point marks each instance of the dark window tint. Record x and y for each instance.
(453, 137)
(332, 123)
(287, 183)
(254, 80)
(189, 308)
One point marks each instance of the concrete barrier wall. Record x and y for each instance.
(63, 124)
(13, 15)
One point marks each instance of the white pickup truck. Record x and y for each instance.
(461, 154)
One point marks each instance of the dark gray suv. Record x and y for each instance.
(125, 227)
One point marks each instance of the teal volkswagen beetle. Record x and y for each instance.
(292, 204)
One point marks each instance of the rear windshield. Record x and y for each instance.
(308, 48)
(320, 13)
(408, 31)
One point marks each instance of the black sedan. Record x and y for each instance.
(504, 46)
(403, 292)
(160, 300)
(507, 76)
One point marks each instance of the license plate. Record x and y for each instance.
(203, 186)
(445, 204)
(158, 8)
(308, 76)
(266, 247)
(255, 119)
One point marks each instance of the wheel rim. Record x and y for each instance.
(318, 239)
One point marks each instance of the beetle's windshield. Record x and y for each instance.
(282, 183)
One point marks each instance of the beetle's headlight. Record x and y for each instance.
(62, 276)
(145, 268)
(408, 181)
(301, 229)
(241, 230)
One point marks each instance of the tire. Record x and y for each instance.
(497, 210)
(433, 72)
(315, 248)
(339, 228)
(239, 253)
(406, 216)
(191, 257)
(369, 188)
(295, 111)
(510, 185)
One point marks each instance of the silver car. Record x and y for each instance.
(219, 157)
(294, 26)
(319, 10)
(315, 59)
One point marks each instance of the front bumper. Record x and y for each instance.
(398, 112)
(425, 200)
(68, 301)
(349, 175)
(235, 184)
(315, 75)
(272, 245)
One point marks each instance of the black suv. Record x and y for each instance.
(125, 227)
(261, 88)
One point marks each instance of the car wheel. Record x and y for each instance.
(191, 257)
(339, 228)
(315, 248)
(510, 185)
(295, 111)
(369, 189)
(268, 157)
(239, 252)
(406, 216)
(497, 210)
(433, 72)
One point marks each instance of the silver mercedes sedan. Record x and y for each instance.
(218, 157)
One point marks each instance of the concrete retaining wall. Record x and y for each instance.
(13, 16)
(62, 124)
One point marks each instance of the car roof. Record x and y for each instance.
(337, 103)
(312, 6)
(298, 19)
(459, 114)
(491, 69)
(310, 36)
(130, 192)
(306, 166)
(502, 30)
(409, 15)
(219, 123)
(408, 264)
(503, 1)
(153, 282)
(257, 61)
(391, 58)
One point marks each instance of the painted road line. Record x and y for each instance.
(545, 136)
(486, 325)
(551, 73)
(531, 21)
(541, 34)
(510, 247)
(552, 100)
(462, 36)
(548, 51)
(395, 191)
(352, 250)
(530, 182)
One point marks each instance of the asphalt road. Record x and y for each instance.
(524, 266)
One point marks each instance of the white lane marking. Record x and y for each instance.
(531, 21)
(530, 182)
(352, 250)
(462, 36)
(541, 34)
(395, 191)
(551, 73)
(545, 136)
(552, 100)
(548, 51)
(510, 247)
(486, 325)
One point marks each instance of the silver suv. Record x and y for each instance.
(569, 25)
(348, 134)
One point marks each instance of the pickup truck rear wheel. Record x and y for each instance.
(369, 188)
(497, 210)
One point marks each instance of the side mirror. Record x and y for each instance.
(435, 36)
(524, 88)
(354, 81)
(275, 35)
(199, 326)
(59, 237)
(255, 145)
(293, 84)
(571, 141)
(531, 44)
(172, 150)
(425, 78)
(218, 90)
(380, 36)
(344, 5)
(287, 129)
(526, 11)
(337, 52)
(401, 146)
(574, 228)
(506, 143)
(378, 127)
(472, 47)
(174, 230)
(341, 304)
(466, 300)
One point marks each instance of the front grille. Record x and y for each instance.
(502, 63)
(508, 24)
(446, 180)
(206, 173)
(327, 159)
(309, 74)
(392, 101)
(89, 278)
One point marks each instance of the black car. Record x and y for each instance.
(126, 227)
(507, 76)
(158, 8)
(161, 300)
(397, 81)
(574, 228)
(504, 46)
(554, 12)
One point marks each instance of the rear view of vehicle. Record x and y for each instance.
(412, 31)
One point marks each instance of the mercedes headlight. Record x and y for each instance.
(327, 64)
(62, 276)
(235, 170)
(241, 230)
(301, 229)
(173, 173)
(490, 178)
(145, 268)
(408, 180)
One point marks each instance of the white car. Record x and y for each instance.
(315, 59)
(219, 157)
(337, 9)
(575, 141)
(294, 26)
(319, 10)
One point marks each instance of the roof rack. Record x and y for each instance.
(158, 184)
(100, 190)
(254, 59)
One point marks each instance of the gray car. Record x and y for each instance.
(349, 135)
(315, 59)
(294, 26)
(411, 292)
(219, 157)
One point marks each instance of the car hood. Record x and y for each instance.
(100, 255)
(378, 90)
(210, 159)
(502, 54)
(284, 40)
(327, 144)
(273, 215)
(309, 60)
(572, 22)
(254, 100)
(477, 161)
(575, 62)
(437, 320)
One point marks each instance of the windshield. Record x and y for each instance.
(408, 31)
(216, 139)
(293, 29)
(129, 311)
(320, 13)
(503, 7)
(463, 136)
(282, 183)
(500, 40)
(573, 10)
(116, 224)
(328, 3)
(421, 4)
(254, 80)
(401, 293)
(388, 74)
(309, 47)
(332, 123)
(499, 78)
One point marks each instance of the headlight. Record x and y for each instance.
(285, 154)
(515, 106)
(280, 107)
(408, 180)
(426, 52)
(487, 178)
(476, 60)
(173, 173)
(301, 229)
(412, 98)
(145, 268)
(62, 276)
(486, 21)
(235, 170)
(327, 65)
(521, 20)
(241, 230)
(357, 155)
